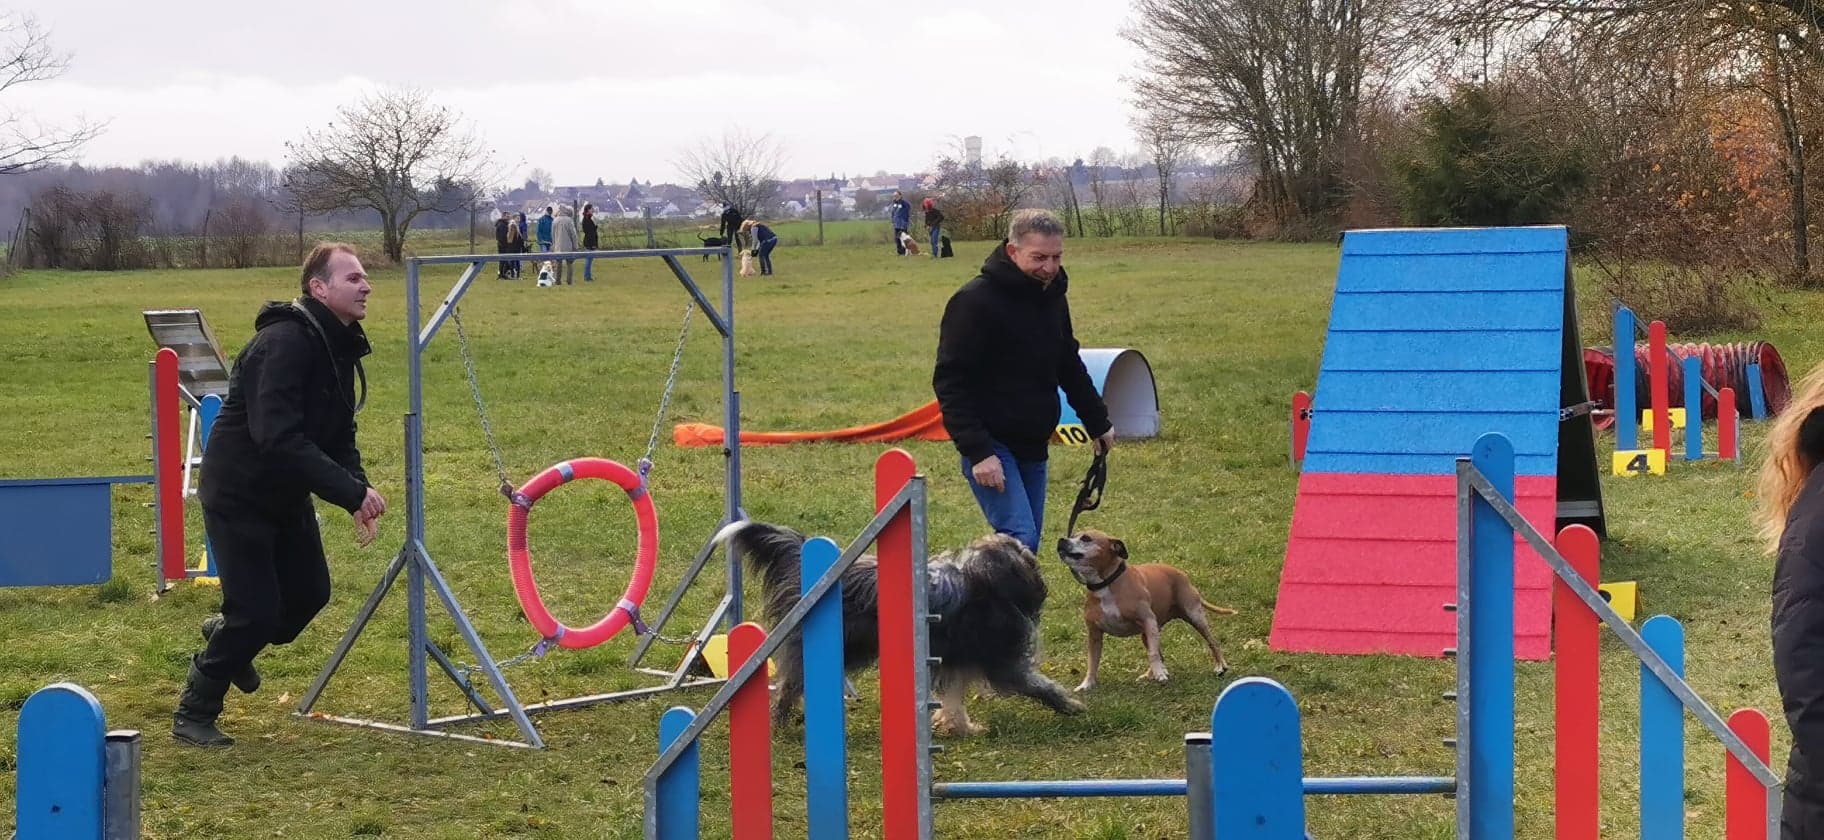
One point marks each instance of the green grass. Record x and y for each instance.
(843, 335)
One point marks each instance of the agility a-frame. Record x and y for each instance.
(423, 578)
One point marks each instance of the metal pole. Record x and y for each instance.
(731, 424)
(120, 787)
(1199, 791)
(820, 217)
(414, 507)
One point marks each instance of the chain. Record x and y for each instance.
(481, 407)
(671, 381)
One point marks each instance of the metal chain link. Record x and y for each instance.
(671, 381)
(481, 407)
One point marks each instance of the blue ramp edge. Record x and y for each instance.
(1437, 337)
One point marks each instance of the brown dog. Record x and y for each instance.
(1124, 600)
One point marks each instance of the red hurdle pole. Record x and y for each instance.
(168, 469)
(899, 714)
(1727, 424)
(1745, 801)
(1661, 386)
(750, 741)
(1576, 686)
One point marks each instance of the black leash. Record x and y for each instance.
(1089, 495)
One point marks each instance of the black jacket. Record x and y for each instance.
(287, 429)
(1798, 636)
(934, 218)
(1004, 349)
(591, 237)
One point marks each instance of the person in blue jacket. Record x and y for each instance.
(544, 230)
(764, 241)
(901, 213)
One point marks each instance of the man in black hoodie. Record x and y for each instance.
(1003, 351)
(286, 431)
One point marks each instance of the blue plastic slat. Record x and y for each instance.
(1358, 464)
(1448, 311)
(826, 769)
(62, 764)
(1257, 771)
(681, 785)
(1627, 419)
(57, 534)
(1694, 408)
(1481, 272)
(1662, 737)
(1757, 398)
(1438, 351)
(1493, 389)
(1418, 241)
(208, 410)
(1415, 433)
(1489, 649)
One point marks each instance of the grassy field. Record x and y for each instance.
(842, 335)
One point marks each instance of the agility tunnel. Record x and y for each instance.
(1436, 337)
(1733, 366)
(1122, 376)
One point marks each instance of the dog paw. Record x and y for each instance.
(1085, 686)
(1075, 707)
(1158, 676)
(951, 730)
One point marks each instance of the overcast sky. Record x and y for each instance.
(600, 89)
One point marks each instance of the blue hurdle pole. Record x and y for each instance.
(1627, 414)
(1694, 408)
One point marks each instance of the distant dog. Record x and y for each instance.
(987, 596)
(747, 264)
(910, 244)
(1125, 600)
(713, 242)
(547, 273)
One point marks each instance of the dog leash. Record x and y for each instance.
(1089, 494)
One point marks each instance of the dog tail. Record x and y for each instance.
(1216, 609)
(773, 552)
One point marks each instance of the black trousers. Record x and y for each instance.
(274, 581)
(899, 244)
(1802, 814)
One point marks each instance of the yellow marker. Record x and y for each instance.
(715, 653)
(1072, 434)
(1640, 462)
(1623, 596)
(1677, 416)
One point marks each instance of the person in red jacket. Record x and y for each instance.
(285, 433)
(1004, 349)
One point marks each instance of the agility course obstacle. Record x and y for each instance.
(1720, 382)
(77, 780)
(423, 578)
(1244, 777)
(1122, 376)
(1435, 337)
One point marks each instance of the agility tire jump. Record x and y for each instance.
(520, 557)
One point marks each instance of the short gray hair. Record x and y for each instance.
(1041, 222)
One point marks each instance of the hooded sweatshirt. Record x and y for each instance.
(287, 429)
(1004, 349)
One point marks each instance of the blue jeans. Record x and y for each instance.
(589, 269)
(936, 236)
(766, 255)
(1017, 510)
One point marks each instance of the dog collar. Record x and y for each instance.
(1119, 571)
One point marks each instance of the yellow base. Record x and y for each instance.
(1676, 415)
(715, 654)
(1640, 462)
(1623, 596)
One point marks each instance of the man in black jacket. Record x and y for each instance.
(1004, 349)
(286, 431)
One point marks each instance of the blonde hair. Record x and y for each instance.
(1788, 462)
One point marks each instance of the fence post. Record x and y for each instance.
(1627, 404)
(1258, 777)
(1662, 736)
(681, 785)
(1488, 650)
(750, 741)
(1743, 796)
(1199, 793)
(826, 769)
(120, 788)
(1576, 688)
(820, 217)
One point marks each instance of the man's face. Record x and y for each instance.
(897, 196)
(344, 292)
(1040, 257)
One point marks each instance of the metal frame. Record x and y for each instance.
(414, 558)
(1473, 485)
(911, 500)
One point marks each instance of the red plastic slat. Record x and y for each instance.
(1745, 799)
(750, 741)
(899, 715)
(169, 466)
(1576, 683)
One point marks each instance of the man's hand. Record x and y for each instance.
(366, 528)
(374, 505)
(1106, 441)
(987, 473)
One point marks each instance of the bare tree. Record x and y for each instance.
(26, 56)
(739, 170)
(1281, 79)
(1164, 143)
(393, 152)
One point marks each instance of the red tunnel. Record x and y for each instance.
(1723, 365)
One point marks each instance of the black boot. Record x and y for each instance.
(248, 680)
(197, 709)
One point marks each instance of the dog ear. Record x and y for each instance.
(1120, 548)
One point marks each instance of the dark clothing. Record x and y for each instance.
(286, 431)
(1798, 657)
(764, 241)
(504, 269)
(731, 224)
(901, 214)
(1003, 350)
(934, 218)
(591, 237)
